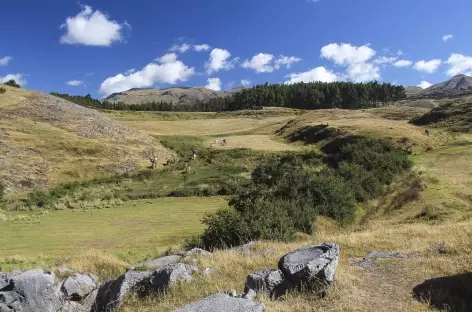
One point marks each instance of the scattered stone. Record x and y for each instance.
(110, 294)
(161, 262)
(271, 281)
(385, 255)
(77, 287)
(222, 302)
(195, 252)
(208, 272)
(232, 293)
(163, 279)
(306, 265)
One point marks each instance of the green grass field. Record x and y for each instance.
(131, 232)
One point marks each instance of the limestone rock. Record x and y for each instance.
(29, 291)
(268, 280)
(222, 302)
(164, 278)
(78, 286)
(316, 263)
(161, 262)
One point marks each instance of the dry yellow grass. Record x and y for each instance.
(261, 142)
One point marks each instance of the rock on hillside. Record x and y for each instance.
(457, 85)
(176, 96)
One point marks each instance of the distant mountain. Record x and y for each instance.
(456, 86)
(178, 96)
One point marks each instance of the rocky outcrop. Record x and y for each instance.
(223, 302)
(77, 287)
(163, 279)
(301, 269)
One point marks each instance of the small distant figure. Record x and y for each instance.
(426, 131)
(225, 142)
(152, 156)
(194, 154)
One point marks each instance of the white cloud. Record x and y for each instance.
(427, 66)
(355, 59)
(403, 63)
(286, 60)
(459, 64)
(447, 37)
(219, 60)
(260, 63)
(385, 60)
(92, 28)
(180, 48)
(316, 74)
(75, 83)
(214, 84)
(425, 84)
(346, 54)
(201, 47)
(19, 78)
(168, 70)
(400, 52)
(245, 83)
(130, 71)
(267, 63)
(4, 61)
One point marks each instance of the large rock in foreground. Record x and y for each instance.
(222, 303)
(313, 264)
(163, 279)
(30, 291)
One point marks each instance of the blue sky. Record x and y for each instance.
(92, 46)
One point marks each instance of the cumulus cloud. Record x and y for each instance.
(425, 84)
(245, 83)
(260, 63)
(219, 60)
(74, 83)
(403, 63)
(92, 28)
(427, 66)
(459, 64)
(201, 47)
(182, 48)
(214, 84)
(356, 59)
(267, 63)
(19, 78)
(447, 37)
(130, 71)
(316, 74)
(4, 61)
(167, 69)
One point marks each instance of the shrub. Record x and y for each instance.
(12, 83)
(2, 90)
(2, 191)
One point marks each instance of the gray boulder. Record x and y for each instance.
(313, 264)
(195, 252)
(222, 303)
(161, 280)
(111, 293)
(243, 248)
(271, 281)
(161, 262)
(29, 291)
(77, 287)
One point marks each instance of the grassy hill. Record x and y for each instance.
(107, 240)
(45, 140)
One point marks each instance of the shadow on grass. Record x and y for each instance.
(450, 293)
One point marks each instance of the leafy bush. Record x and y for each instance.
(12, 83)
(288, 194)
(2, 191)
(2, 90)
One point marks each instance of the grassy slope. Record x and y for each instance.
(45, 152)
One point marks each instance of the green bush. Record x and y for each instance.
(2, 90)
(12, 83)
(288, 194)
